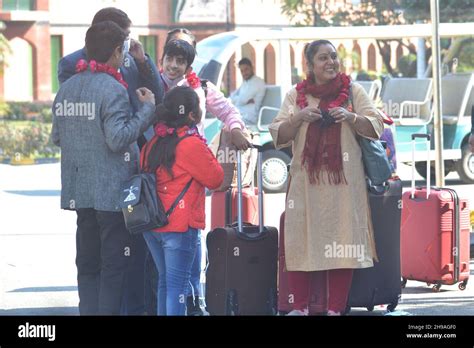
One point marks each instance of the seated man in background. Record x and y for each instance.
(248, 98)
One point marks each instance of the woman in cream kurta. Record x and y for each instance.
(321, 219)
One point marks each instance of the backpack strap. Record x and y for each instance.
(185, 189)
(179, 198)
(145, 152)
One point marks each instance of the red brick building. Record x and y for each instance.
(40, 32)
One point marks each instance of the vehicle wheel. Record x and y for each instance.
(465, 166)
(404, 282)
(421, 169)
(274, 171)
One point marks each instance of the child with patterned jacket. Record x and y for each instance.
(181, 159)
(178, 56)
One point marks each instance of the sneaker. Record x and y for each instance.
(193, 308)
(299, 312)
(202, 304)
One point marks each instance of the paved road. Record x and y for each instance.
(37, 249)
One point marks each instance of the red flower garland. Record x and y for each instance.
(82, 66)
(162, 131)
(309, 87)
(193, 80)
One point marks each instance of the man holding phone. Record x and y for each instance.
(135, 70)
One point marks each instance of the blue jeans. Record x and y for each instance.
(173, 253)
(194, 288)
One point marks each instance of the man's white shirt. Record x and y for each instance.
(253, 88)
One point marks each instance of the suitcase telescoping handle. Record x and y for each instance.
(428, 167)
(260, 190)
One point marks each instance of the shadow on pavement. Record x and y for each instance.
(41, 311)
(46, 289)
(36, 193)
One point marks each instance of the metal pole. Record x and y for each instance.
(228, 19)
(438, 121)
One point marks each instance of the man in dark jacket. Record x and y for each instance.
(137, 70)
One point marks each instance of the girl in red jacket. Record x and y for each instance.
(180, 158)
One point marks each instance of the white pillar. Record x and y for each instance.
(259, 47)
(238, 75)
(283, 64)
(393, 58)
(364, 54)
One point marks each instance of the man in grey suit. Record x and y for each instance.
(137, 70)
(97, 132)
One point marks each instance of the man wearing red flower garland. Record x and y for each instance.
(137, 70)
(98, 153)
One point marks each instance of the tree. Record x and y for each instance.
(306, 13)
(379, 12)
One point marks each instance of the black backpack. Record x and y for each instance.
(142, 208)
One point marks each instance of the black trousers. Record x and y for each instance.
(151, 281)
(102, 258)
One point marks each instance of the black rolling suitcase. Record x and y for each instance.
(381, 284)
(241, 278)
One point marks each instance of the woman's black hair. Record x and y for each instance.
(310, 51)
(180, 48)
(102, 39)
(173, 112)
(173, 32)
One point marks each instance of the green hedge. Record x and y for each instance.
(31, 139)
(33, 111)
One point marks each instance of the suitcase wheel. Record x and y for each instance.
(370, 308)
(347, 310)
(232, 306)
(436, 287)
(273, 302)
(391, 307)
(462, 286)
(404, 282)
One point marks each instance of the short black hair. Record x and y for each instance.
(102, 39)
(245, 61)
(173, 32)
(180, 48)
(112, 14)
